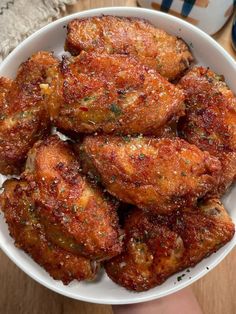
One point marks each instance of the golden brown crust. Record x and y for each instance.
(157, 247)
(113, 94)
(75, 215)
(5, 85)
(155, 48)
(160, 175)
(29, 235)
(152, 253)
(24, 116)
(203, 230)
(210, 119)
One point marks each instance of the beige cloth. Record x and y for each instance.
(20, 18)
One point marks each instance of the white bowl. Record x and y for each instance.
(206, 52)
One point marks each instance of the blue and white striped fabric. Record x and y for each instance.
(233, 34)
(209, 15)
(186, 8)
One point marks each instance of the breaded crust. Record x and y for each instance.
(204, 230)
(167, 54)
(156, 247)
(211, 119)
(24, 116)
(160, 175)
(112, 94)
(5, 85)
(152, 253)
(29, 235)
(76, 216)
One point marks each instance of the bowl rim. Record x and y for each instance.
(117, 11)
(122, 8)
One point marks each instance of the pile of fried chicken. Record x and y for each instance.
(152, 149)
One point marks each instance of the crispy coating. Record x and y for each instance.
(160, 175)
(152, 253)
(169, 130)
(203, 230)
(29, 235)
(155, 48)
(211, 119)
(113, 94)
(76, 216)
(5, 85)
(157, 247)
(24, 117)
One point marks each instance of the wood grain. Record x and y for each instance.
(20, 294)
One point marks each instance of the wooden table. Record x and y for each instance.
(20, 294)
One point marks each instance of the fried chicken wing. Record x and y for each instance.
(152, 253)
(112, 94)
(157, 247)
(203, 230)
(76, 216)
(24, 117)
(29, 235)
(211, 119)
(155, 48)
(160, 175)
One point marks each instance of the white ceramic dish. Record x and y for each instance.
(206, 52)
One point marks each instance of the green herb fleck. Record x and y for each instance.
(87, 98)
(126, 138)
(191, 125)
(102, 233)
(77, 246)
(219, 77)
(24, 114)
(141, 156)
(183, 174)
(159, 64)
(115, 109)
